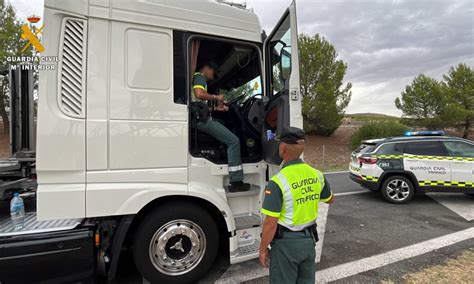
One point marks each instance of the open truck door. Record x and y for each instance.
(282, 103)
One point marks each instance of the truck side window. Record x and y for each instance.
(459, 149)
(425, 148)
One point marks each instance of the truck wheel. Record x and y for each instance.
(176, 243)
(397, 189)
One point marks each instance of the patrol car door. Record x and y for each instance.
(427, 160)
(282, 102)
(462, 162)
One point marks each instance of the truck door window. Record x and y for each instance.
(459, 149)
(280, 54)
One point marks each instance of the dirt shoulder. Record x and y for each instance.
(456, 270)
(336, 150)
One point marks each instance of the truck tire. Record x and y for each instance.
(397, 189)
(176, 243)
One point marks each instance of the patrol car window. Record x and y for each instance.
(364, 148)
(391, 149)
(459, 149)
(426, 148)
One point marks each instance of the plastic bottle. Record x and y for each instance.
(17, 212)
(270, 135)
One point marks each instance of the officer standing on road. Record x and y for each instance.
(291, 208)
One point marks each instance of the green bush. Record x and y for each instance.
(377, 130)
(322, 127)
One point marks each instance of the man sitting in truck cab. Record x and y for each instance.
(215, 129)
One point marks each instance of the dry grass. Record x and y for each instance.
(455, 270)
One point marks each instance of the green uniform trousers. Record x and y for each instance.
(224, 135)
(292, 259)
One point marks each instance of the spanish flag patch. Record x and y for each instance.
(268, 191)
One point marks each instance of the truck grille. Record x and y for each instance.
(72, 67)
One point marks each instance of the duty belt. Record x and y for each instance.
(311, 231)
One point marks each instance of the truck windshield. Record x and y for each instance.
(247, 90)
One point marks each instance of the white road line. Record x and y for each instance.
(351, 192)
(339, 172)
(376, 261)
(321, 221)
(251, 270)
(458, 203)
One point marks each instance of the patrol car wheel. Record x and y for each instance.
(397, 189)
(176, 243)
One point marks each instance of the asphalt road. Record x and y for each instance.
(367, 239)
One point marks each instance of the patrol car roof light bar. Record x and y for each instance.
(425, 133)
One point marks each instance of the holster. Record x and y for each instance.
(199, 111)
(314, 232)
(279, 232)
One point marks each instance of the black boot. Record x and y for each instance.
(238, 186)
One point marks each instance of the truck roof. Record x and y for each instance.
(201, 16)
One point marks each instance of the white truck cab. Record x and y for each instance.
(115, 140)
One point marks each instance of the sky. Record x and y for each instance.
(384, 43)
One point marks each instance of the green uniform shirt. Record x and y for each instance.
(273, 201)
(199, 82)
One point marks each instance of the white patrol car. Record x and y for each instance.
(424, 161)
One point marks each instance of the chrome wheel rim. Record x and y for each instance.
(177, 247)
(398, 190)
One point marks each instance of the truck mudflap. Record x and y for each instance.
(48, 257)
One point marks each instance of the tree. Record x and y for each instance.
(10, 45)
(324, 96)
(460, 88)
(424, 100)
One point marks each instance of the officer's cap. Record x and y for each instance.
(291, 135)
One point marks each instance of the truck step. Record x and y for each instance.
(32, 226)
(246, 221)
(254, 190)
(246, 252)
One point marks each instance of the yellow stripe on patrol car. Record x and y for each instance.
(369, 178)
(439, 158)
(389, 156)
(445, 183)
(419, 157)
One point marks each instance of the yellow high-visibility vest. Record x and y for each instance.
(301, 186)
